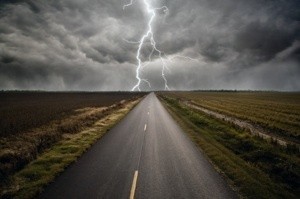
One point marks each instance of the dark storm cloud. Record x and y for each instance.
(80, 44)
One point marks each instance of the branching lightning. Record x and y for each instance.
(129, 4)
(149, 35)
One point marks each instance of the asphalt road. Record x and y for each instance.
(146, 155)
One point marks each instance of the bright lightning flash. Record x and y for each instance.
(149, 35)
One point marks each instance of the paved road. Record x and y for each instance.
(146, 156)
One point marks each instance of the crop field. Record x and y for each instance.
(277, 112)
(259, 168)
(21, 111)
(30, 180)
(31, 122)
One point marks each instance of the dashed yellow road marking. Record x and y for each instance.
(133, 186)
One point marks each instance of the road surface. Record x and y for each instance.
(146, 155)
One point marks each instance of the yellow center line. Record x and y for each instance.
(133, 186)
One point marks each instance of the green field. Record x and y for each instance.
(258, 168)
(277, 112)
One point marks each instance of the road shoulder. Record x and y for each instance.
(246, 179)
(30, 181)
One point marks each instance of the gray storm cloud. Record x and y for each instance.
(80, 44)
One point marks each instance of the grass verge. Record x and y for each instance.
(255, 167)
(16, 151)
(30, 181)
(278, 113)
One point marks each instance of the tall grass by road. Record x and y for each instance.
(259, 169)
(19, 148)
(277, 112)
(31, 180)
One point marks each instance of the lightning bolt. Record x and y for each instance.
(150, 36)
(129, 4)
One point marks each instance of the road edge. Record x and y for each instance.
(30, 181)
(211, 149)
(190, 135)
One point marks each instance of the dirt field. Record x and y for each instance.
(32, 122)
(21, 111)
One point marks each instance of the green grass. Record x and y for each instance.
(259, 169)
(31, 180)
(277, 112)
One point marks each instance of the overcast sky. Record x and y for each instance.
(80, 44)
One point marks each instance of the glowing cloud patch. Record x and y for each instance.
(149, 35)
